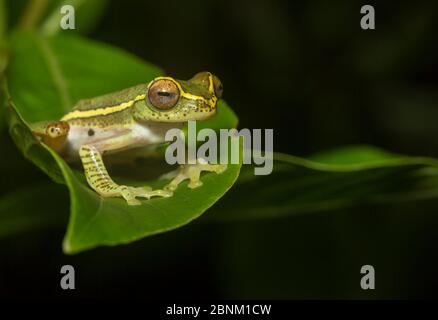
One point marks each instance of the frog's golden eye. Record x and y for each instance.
(163, 94)
(218, 87)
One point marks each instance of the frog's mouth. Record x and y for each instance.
(199, 109)
(206, 108)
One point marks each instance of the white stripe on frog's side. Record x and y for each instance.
(139, 134)
(82, 135)
(150, 133)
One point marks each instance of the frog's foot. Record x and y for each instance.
(99, 179)
(192, 172)
(130, 194)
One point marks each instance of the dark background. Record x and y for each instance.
(306, 69)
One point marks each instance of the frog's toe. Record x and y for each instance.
(161, 193)
(149, 193)
(130, 194)
(220, 168)
(194, 184)
(169, 175)
(133, 202)
(193, 173)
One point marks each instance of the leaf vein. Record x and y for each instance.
(56, 72)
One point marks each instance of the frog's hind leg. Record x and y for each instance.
(192, 172)
(99, 179)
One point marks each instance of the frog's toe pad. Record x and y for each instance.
(131, 193)
(133, 202)
(194, 184)
(220, 168)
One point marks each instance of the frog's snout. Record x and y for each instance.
(210, 82)
(218, 87)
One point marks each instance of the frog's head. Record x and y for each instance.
(170, 100)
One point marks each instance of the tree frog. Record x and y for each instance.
(134, 117)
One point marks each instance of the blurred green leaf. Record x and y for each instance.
(225, 118)
(66, 69)
(352, 156)
(3, 55)
(336, 179)
(28, 145)
(59, 77)
(3, 20)
(33, 207)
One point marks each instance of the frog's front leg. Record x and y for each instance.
(192, 172)
(99, 179)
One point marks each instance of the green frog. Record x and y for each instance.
(135, 117)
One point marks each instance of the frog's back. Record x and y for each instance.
(111, 99)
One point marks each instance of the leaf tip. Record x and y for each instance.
(67, 247)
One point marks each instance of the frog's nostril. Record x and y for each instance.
(218, 87)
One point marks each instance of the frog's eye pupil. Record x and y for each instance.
(163, 94)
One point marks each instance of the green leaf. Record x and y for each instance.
(336, 179)
(45, 77)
